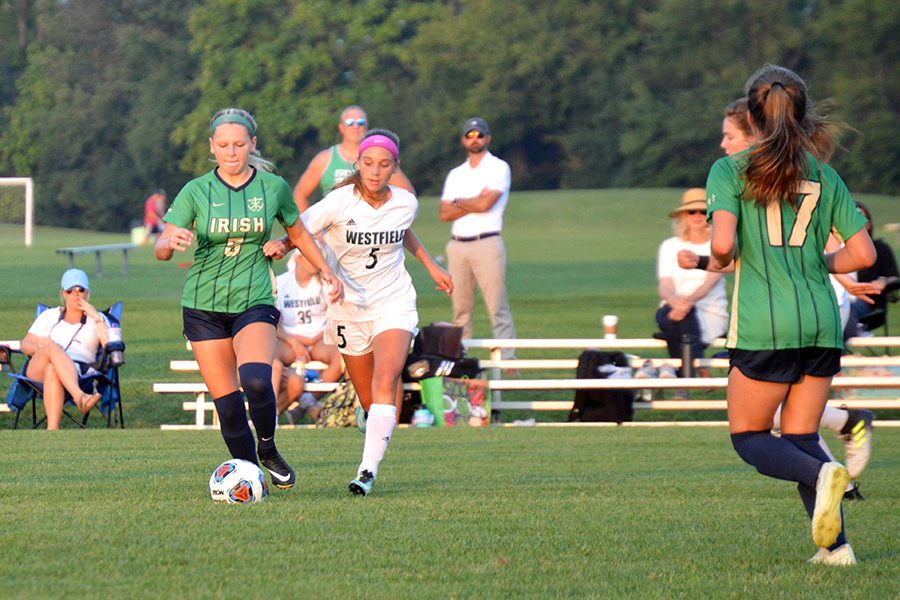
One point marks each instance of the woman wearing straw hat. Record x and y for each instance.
(693, 303)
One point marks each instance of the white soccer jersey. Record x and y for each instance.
(302, 308)
(80, 340)
(364, 247)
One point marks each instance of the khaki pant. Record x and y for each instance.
(481, 262)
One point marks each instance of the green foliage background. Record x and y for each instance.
(103, 100)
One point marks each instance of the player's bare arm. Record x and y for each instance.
(858, 253)
(310, 179)
(302, 240)
(172, 238)
(688, 259)
(441, 276)
(724, 239)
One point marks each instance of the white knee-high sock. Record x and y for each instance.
(379, 427)
(834, 418)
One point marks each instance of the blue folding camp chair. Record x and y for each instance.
(105, 381)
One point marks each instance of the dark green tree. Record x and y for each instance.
(693, 58)
(855, 61)
(294, 66)
(96, 104)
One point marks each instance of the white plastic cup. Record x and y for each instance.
(610, 326)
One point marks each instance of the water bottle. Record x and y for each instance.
(115, 347)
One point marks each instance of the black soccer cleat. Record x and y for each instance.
(854, 493)
(282, 474)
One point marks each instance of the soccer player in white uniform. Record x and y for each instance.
(367, 224)
(302, 301)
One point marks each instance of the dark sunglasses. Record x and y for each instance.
(696, 212)
(474, 134)
(352, 122)
(76, 288)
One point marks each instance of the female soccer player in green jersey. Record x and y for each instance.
(772, 211)
(853, 425)
(229, 296)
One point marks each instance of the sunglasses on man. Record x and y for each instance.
(696, 212)
(76, 288)
(357, 122)
(474, 134)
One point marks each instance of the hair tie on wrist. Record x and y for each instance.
(702, 262)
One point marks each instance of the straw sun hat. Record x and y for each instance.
(693, 199)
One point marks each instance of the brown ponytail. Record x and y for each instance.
(777, 102)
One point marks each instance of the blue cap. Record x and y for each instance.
(74, 277)
(476, 124)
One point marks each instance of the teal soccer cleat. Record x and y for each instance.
(361, 417)
(362, 485)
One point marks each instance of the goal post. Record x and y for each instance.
(11, 209)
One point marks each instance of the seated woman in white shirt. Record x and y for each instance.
(693, 302)
(63, 343)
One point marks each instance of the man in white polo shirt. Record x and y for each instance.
(474, 197)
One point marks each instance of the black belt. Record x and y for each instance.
(474, 238)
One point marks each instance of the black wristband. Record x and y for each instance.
(702, 263)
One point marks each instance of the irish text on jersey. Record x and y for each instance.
(237, 225)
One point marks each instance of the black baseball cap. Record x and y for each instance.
(476, 124)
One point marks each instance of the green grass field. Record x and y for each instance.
(468, 513)
(472, 513)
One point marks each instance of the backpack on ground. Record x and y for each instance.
(610, 405)
(437, 352)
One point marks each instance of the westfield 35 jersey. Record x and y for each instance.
(303, 309)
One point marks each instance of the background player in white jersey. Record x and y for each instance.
(302, 300)
(367, 223)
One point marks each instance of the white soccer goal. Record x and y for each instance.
(12, 208)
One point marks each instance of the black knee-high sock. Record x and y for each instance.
(809, 443)
(776, 457)
(235, 429)
(256, 379)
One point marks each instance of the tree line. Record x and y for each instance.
(104, 100)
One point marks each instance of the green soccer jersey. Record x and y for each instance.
(782, 297)
(230, 272)
(335, 171)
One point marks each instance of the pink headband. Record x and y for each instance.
(382, 141)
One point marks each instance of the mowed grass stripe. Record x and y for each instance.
(530, 512)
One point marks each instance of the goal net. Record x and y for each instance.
(17, 203)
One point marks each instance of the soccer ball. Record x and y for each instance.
(238, 481)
